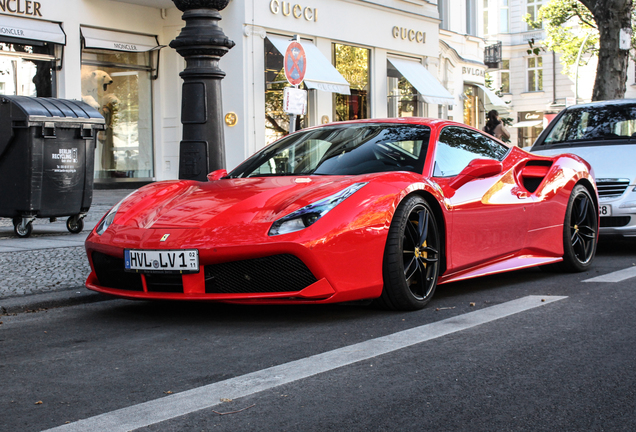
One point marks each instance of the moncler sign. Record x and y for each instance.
(21, 7)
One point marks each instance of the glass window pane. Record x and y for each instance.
(531, 62)
(505, 82)
(503, 20)
(353, 64)
(22, 73)
(402, 100)
(276, 121)
(539, 79)
(531, 81)
(123, 95)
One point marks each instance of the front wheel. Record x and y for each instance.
(22, 231)
(411, 257)
(580, 230)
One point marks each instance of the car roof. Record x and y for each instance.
(603, 103)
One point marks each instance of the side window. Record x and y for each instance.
(457, 147)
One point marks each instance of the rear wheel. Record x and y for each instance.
(411, 257)
(580, 230)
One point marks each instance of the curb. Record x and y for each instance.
(50, 300)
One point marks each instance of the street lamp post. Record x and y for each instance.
(202, 43)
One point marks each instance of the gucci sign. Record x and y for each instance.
(297, 11)
(409, 34)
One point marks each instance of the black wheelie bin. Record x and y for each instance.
(47, 149)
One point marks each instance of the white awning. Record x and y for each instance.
(424, 82)
(320, 74)
(37, 30)
(529, 123)
(492, 96)
(118, 41)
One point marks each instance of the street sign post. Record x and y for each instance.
(295, 65)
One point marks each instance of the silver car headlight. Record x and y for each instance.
(110, 217)
(308, 215)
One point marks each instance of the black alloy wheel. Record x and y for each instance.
(580, 231)
(411, 257)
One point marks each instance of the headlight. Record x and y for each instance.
(308, 215)
(110, 217)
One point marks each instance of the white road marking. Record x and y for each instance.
(176, 405)
(617, 276)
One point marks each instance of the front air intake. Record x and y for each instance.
(277, 273)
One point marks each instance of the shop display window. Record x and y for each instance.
(473, 106)
(353, 64)
(27, 70)
(402, 97)
(276, 121)
(118, 85)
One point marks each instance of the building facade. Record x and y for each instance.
(461, 67)
(534, 86)
(114, 56)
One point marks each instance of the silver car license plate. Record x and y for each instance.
(162, 261)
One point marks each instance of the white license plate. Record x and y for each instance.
(605, 210)
(162, 261)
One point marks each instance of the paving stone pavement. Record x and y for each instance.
(42, 270)
(51, 259)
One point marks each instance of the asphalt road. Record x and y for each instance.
(565, 364)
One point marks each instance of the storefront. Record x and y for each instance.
(529, 125)
(351, 73)
(113, 55)
(464, 75)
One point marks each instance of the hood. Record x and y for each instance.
(227, 202)
(607, 161)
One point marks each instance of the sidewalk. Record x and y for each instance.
(49, 268)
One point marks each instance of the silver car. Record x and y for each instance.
(604, 134)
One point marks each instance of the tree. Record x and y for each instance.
(596, 25)
(611, 73)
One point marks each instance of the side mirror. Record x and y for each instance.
(477, 168)
(217, 175)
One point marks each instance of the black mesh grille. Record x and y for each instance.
(278, 273)
(611, 188)
(110, 273)
(615, 221)
(167, 283)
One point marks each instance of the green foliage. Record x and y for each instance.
(353, 64)
(567, 23)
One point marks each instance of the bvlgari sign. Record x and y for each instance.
(21, 7)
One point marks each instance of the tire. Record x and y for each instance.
(580, 231)
(74, 224)
(19, 231)
(411, 257)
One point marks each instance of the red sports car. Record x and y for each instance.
(373, 209)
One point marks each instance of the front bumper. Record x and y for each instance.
(622, 220)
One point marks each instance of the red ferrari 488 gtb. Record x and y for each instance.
(372, 209)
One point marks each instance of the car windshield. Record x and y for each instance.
(594, 123)
(349, 149)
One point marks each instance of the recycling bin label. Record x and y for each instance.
(65, 160)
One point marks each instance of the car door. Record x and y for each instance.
(490, 212)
